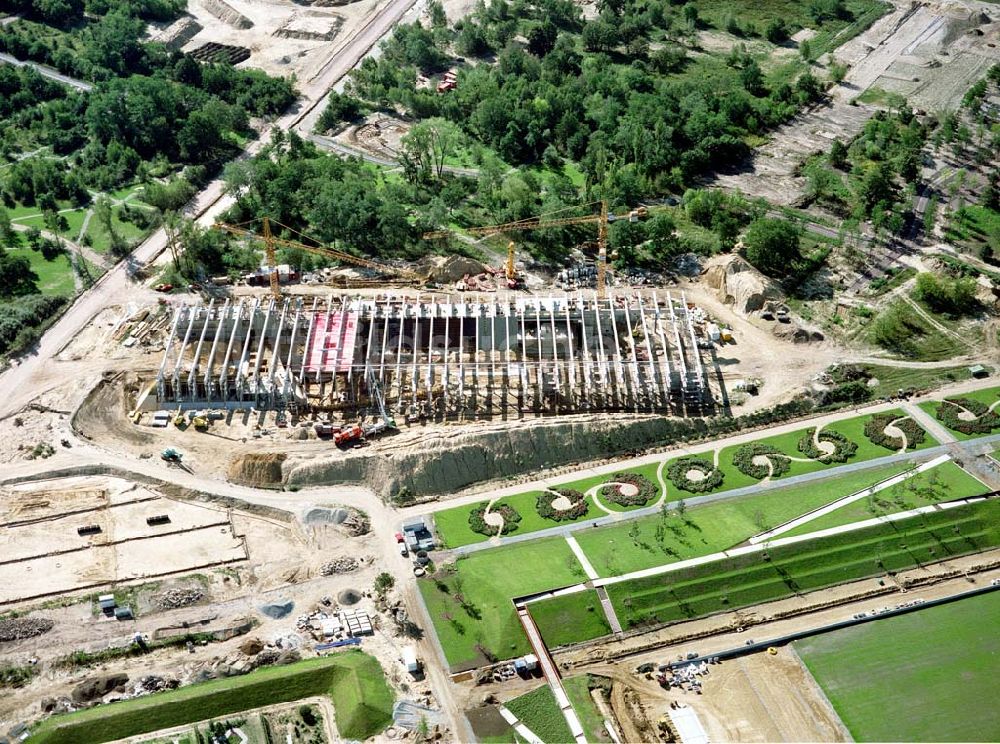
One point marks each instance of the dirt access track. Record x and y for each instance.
(929, 52)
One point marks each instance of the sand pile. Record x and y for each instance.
(256, 470)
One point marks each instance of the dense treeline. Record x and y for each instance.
(148, 107)
(594, 92)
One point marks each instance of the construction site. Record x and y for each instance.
(476, 357)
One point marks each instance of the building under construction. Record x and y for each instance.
(473, 358)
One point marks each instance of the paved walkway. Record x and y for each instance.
(582, 557)
(551, 674)
(930, 423)
(46, 71)
(609, 610)
(523, 731)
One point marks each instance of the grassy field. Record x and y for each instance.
(578, 691)
(653, 541)
(975, 226)
(539, 712)
(55, 277)
(487, 581)
(946, 482)
(891, 379)
(755, 578)
(570, 618)
(925, 676)
(353, 680)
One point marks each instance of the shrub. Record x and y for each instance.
(510, 519)
(985, 422)
(875, 431)
(844, 448)
(578, 505)
(743, 460)
(613, 492)
(677, 473)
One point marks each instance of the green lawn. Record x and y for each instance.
(353, 680)
(55, 277)
(71, 231)
(487, 581)
(539, 711)
(758, 577)
(989, 396)
(653, 541)
(927, 676)
(946, 482)
(578, 691)
(101, 240)
(453, 524)
(570, 618)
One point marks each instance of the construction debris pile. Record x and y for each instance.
(339, 566)
(153, 683)
(173, 599)
(19, 628)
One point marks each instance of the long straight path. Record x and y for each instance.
(551, 674)
(46, 71)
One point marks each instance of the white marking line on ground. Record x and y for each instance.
(680, 565)
(580, 556)
(834, 505)
(523, 731)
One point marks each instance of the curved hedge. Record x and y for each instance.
(613, 492)
(844, 448)
(743, 460)
(875, 431)
(985, 421)
(677, 473)
(510, 519)
(578, 504)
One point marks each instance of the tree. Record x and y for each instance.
(383, 583)
(805, 50)
(8, 236)
(838, 154)
(663, 242)
(542, 38)
(777, 31)
(426, 147)
(772, 246)
(16, 276)
(340, 107)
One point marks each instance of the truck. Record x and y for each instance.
(410, 660)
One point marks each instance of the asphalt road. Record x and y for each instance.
(46, 71)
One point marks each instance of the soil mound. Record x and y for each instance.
(256, 470)
(739, 284)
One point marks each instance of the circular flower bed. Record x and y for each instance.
(875, 431)
(477, 519)
(679, 469)
(576, 509)
(643, 490)
(843, 448)
(949, 411)
(744, 460)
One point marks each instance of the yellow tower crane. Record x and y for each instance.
(271, 241)
(545, 221)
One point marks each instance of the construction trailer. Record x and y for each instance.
(439, 358)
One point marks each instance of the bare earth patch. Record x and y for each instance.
(694, 475)
(559, 503)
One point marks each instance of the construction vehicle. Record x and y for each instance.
(271, 241)
(200, 423)
(546, 221)
(352, 433)
(171, 455)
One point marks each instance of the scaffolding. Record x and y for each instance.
(476, 356)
